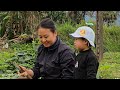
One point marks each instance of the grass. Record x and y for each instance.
(110, 66)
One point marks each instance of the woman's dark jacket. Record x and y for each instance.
(55, 62)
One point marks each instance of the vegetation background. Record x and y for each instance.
(19, 42)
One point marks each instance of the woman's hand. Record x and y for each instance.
(28, 73)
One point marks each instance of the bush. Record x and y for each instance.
(111, 37)
(23, 54)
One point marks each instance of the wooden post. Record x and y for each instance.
(99, 35)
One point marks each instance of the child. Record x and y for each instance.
(86, 62)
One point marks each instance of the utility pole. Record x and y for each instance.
(99, 35)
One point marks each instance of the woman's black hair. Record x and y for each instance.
(47, 23)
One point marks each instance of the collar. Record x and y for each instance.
(85, 50)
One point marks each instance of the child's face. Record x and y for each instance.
(80, 44)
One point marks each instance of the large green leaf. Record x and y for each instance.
(6, 18)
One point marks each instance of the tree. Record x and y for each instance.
(99, 35)
(14, 23)
(109, 17)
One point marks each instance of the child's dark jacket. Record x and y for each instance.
(87, 65)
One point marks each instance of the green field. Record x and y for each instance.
(109, 67)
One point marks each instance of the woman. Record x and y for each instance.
(55, 60)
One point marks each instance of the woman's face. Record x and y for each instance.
(47, 38)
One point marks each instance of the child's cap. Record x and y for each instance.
(85, 32)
